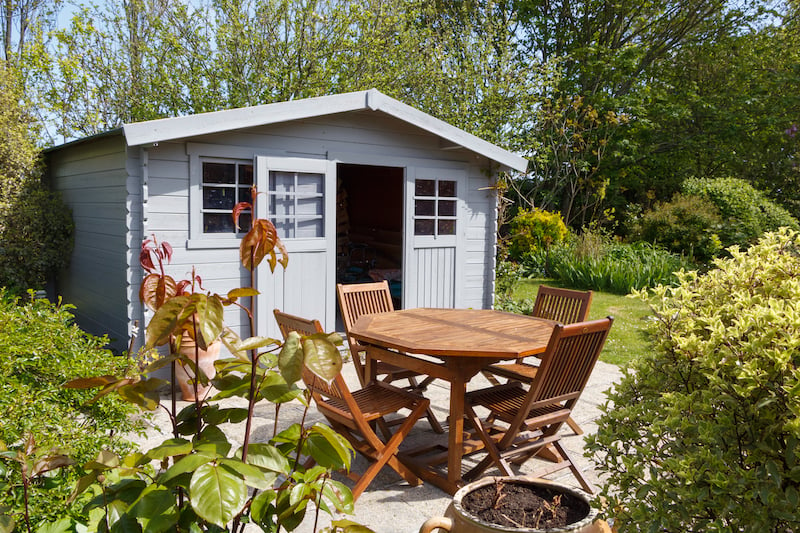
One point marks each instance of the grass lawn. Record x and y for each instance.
(627, 339)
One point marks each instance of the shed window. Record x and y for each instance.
(435, 207)
(296, 203)
(224, 185)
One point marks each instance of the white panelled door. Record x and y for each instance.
(299, 196)
(435, 234)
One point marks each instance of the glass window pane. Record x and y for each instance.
(244, 222)
(309, 206)
(447, 208)
(425, 207)
(425, 187)
(285, 227)
(447, 188)
(281, 205)
(309, 228)
(423, 226)
(218, 198)
(281, 181)
(245, 174)
(309, 183)
(217, 223)
(446, 227)
(245, 195)
(219, 172)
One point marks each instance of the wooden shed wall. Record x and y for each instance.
(360, 138)
(93, 178)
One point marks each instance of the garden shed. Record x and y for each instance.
(360, 186)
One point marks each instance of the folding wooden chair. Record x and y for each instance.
(565, 306)
(532, 417)
(360, 299)
(354, 414)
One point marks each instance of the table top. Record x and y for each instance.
(456, 332)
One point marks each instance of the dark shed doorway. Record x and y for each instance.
(369, 226)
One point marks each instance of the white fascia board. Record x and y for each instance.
(397, 109)
(153, 131)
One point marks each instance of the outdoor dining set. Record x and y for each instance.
(536, 365)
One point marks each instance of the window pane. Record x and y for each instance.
(309, 228)
(285, 227)
(219, 173)
(245, 196)
(423, 227)
(245, 174)
(309, 183)
(281, 181)
(281, 205)
(217, 223)
(309, 206)
(447, 208)
(244, 222)
(447, 227)
(425, 188)
(425, 207)
(218, 198)
(447, 188)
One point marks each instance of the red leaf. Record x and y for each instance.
(238, 209)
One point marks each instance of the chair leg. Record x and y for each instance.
(574, 469)
(491, 377)
(494, 455)
(574, 426)
(435, 425)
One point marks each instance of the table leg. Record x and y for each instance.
(458, 389)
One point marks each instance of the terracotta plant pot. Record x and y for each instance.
(205, 361)
(457, 520)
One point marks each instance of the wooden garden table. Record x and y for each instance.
(458, 343)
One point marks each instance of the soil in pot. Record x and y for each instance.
(524, 506)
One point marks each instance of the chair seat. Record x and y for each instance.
(377, 400)
(514, 371)
(506, 401)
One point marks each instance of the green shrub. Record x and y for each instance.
(746, 212)
(703, 432)
(686, 225)
(535, 230)
(40, 349)
(35, 239)
(593, 261)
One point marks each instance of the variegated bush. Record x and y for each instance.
(703, 433)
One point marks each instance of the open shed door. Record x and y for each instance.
(435, 237)
(299, 196)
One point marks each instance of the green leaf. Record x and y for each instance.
(254, 343)
(274, 388)
(170, 448)
(348, 526)
(61, 526)
(254, 476)
(6, 522)
(155, 509)
(328, 448)
(260, 508)
(322, 357)
(166, 321)
(209, 312)
(105, 460)
(217, 494)
(144, 393)
(266, 456)
(190, 463)
(290, 359)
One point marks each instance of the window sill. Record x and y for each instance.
(213, 244)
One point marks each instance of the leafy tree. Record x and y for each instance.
(35, 226)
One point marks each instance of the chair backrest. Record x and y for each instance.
(566, 306)
(335, 391)
(360, 299)
(565, 366)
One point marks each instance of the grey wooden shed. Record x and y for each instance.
(360, 186)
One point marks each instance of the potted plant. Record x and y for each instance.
(197, 480)
(519, 505)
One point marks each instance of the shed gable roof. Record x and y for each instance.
(154, 131)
